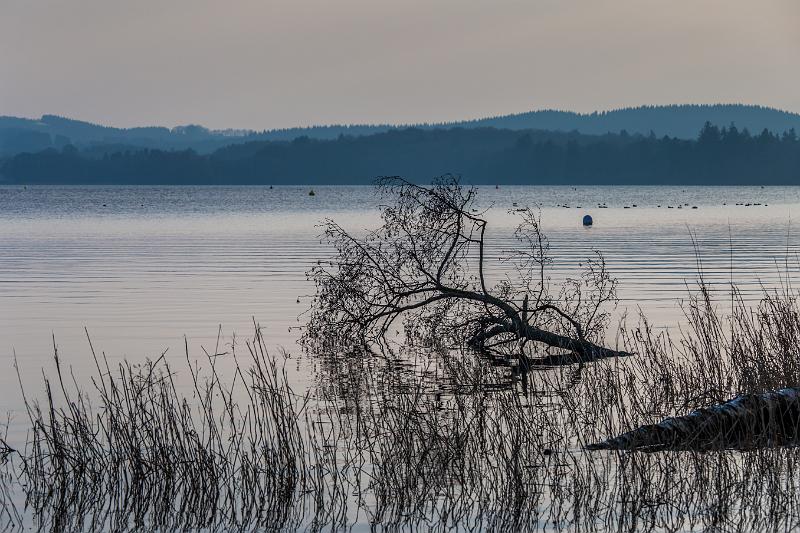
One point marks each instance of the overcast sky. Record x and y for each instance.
(264, 64)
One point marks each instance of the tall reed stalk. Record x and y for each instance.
(434, 440)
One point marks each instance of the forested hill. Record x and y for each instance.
(723, 156)
(682, 121)
(19, 135)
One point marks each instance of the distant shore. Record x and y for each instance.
(719, 156)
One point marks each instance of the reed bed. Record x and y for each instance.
(440, 440)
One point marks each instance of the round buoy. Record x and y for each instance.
(587, 220)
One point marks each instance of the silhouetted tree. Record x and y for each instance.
(427, 266)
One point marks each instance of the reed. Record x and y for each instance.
(420, 439)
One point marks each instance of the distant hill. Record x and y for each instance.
(717, 156)
(30, 135)
(681, 121)
(19, 135)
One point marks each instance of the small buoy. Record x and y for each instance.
(311, 192)
(587, 220)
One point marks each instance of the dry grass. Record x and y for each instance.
(451, 441)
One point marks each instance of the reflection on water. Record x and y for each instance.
(142, 267)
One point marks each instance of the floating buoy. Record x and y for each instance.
(311, 192)
(587, 220)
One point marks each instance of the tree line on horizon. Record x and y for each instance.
(718, 156)
(19, 135)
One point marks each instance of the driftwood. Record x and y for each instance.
(770, 419)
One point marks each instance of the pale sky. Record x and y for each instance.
(267, 64)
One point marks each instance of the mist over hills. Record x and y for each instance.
(19, 135)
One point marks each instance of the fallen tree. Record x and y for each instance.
(427, 264)
(745, 422)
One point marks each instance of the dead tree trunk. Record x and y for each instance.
(578, 350)
(748, 421)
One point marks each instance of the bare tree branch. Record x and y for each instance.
(427, 264)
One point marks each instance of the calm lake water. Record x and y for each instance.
(143, 267)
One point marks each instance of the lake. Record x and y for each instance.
(143, 268)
